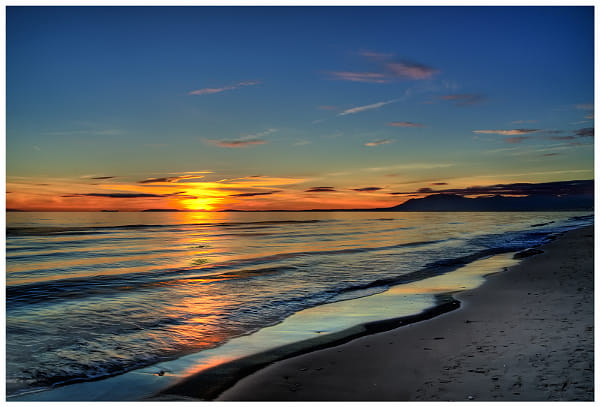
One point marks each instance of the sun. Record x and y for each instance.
(198, 204)
(200, 197)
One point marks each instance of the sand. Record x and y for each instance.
(526, 334)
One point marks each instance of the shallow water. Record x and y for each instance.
(95, 294)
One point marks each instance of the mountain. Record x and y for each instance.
(497, 203)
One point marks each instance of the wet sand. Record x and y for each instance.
(525, 334)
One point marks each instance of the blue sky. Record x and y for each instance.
(349, 97)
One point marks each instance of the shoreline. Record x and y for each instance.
(249, 378)
(214, 381)
(341, 372)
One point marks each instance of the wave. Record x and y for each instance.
(79, 287)
(78, 230)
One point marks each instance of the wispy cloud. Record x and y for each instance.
(327, 107)
(404, 124)
(585, 106)
(367, 189)
(377, 142)
(111, 177)
(169, 179)
(386, 70)
(577, 134)
(372, 77)
(321, 189)
(237, 143)
(513, 132)
(546, 188)
(587, 132)
(209, 91)
(116, 195)
(410, 70)
(359, 109)
(464, 99)
(250, 194)
(245, 141)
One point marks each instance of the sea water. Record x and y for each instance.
(93, 295)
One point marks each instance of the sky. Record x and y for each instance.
(292, 108)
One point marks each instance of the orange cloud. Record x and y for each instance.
(377, 142)
(513, 132)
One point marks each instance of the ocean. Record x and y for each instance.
(91, 295)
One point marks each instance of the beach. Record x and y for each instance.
(526, 334)
(236, 294)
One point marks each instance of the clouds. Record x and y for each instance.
(245, 141)
(251, 194)
(404, 124)
(520, 135)
(584, 187)
(576, 134)
(237, 143)
(332, 189)
(587, 132)
(410, 70)
(209, 91)
(367, 189)
(370, 77)
(169, 179)
(513, 132)
(385, 69)
(116, 195)
(321, 189)
(377, 143)
(358, 109)
(392, 70)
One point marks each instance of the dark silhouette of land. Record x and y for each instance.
(497, 203)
